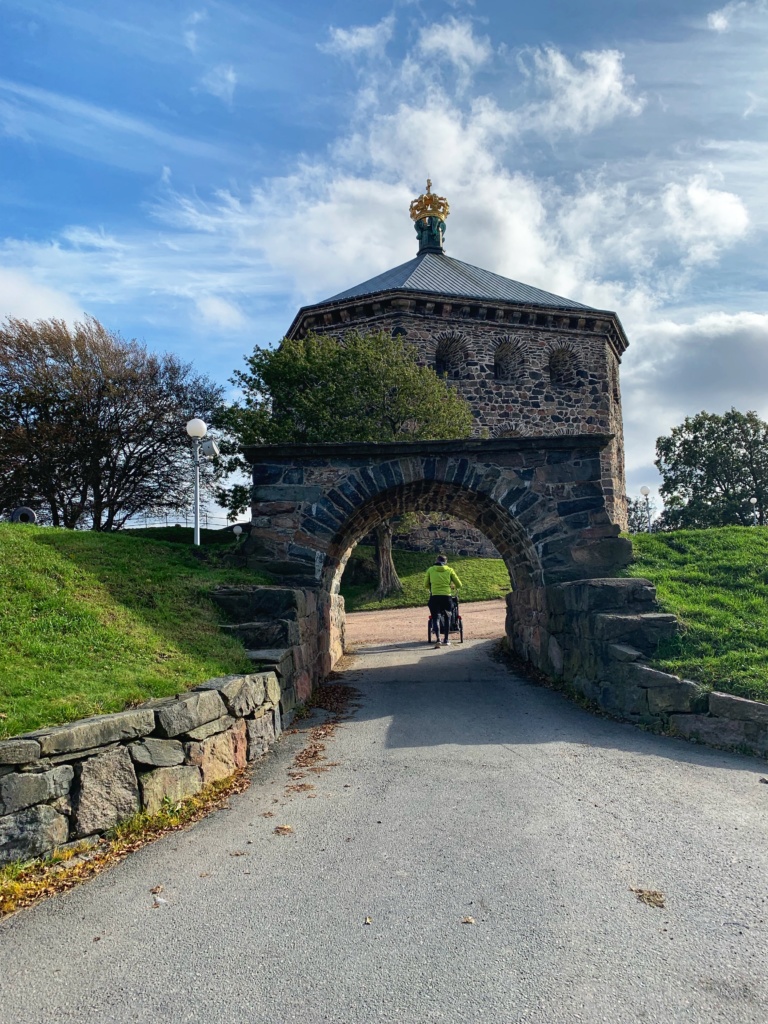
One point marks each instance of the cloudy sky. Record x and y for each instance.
(191, 173)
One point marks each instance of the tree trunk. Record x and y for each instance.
(389, 581)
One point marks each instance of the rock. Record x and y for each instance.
(21, 790)
(261, 734)
(623, 652)
(174, 784)
(33, 832)
(724, 705)
(271, 633)
(644, 631)
(108, 792)
(190, 711)
(273, 688)
(96, 732)
(157, 753)
(19, 751)
(271, 660)
(242, 694)
(681, 696)
(720, 732)
(220, 756)
(202, 732)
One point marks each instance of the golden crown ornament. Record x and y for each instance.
(429, 205)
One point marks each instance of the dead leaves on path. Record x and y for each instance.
(650, 897)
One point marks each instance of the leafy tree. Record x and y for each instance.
(638, 511)
(711, 466)
(362, 387)
(92, 427)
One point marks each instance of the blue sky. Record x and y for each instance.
(191, 173)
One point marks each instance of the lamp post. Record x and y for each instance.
(753, 503)
(197, 430)
(645, 491)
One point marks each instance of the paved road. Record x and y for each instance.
(461, 792)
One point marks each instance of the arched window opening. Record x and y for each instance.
(508, 361)
(562, 368)
(450, 356)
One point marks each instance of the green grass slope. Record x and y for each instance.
(716, 582)
(91, 623)
(482, 580)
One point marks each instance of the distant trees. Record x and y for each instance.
(711, 466)
(92, 427)
(362, 387)
(638, 512)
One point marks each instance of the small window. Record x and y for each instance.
(508, 361)
(562, 368)
(450, 356)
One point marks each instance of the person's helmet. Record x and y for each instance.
(441, 560)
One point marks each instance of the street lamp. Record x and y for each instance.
(645, 491)
(197, 430)
(753, 503)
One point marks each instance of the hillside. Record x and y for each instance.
(91, 623)
(483, 579)
(716, 582)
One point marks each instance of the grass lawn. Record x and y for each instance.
(482, 580)
(91, 623)
(716, 582)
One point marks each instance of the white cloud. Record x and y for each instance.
(190, 30)
(581, 99)
(218, 312)
(455, 42)
(220, 82)
(703, 219)
(722, 19)
(362, 39)
(24, 296)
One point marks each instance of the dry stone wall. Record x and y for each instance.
(597, 636)
(76, 781)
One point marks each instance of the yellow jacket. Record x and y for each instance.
(438, 580)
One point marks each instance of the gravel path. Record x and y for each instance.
(483, 620)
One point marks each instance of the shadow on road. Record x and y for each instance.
(464, 696)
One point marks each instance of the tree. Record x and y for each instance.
(638, 511)
(362, 387)
(711, 466)
(92, 427)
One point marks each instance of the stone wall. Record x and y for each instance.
(75, 781)
(596, 637)
(448, 535)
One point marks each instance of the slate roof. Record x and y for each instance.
(436, 273)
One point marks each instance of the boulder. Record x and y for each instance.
(23, 789)
(174, 784)
(108, 792)
(33, 832)
(189, 711)
(719, 732)
(221, 755)
(96, 732)
(157, 753)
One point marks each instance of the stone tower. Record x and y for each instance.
(528, 362)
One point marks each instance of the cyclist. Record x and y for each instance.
(439, 579)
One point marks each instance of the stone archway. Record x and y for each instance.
(540, 500)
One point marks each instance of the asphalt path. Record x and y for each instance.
(461, 794)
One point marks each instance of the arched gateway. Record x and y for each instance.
(539, 500)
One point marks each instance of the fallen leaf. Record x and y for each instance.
(650, 897)
(156, 890)
(764, 780)
(237, 853)
(97, 938)
(159, 901)
(368, 920)
(283, 830)
(467, 920)
(267, 814)
(205, 874)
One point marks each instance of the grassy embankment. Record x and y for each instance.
(91, 623)
(716, 582)
(482, 579)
